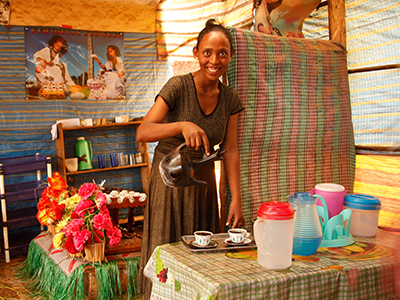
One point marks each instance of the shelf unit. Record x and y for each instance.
(142, 147)
(20, 192)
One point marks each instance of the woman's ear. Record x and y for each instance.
(195, 53)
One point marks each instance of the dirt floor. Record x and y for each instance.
(10, 286)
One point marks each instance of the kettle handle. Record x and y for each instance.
(90, 148)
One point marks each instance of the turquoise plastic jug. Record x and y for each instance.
(84, 153)
(307, 232)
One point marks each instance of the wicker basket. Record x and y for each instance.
(52, 229)
(95, 253)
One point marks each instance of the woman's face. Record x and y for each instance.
(111, 52)
(214, 54)
(58, 46)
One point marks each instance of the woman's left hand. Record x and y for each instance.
(235, 213)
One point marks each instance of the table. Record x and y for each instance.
(50, 274)
(368, 269)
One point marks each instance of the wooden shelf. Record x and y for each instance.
(141, 147)
(107, 169)
(104, 126)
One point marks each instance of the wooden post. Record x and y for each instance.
(337, 21)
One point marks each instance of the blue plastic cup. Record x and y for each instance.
(113, 160)
(102, 159)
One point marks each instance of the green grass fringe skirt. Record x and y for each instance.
(46, 280)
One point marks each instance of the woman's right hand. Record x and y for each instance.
(195, 137)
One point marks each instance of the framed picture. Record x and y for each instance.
(65, 63)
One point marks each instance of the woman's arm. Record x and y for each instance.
(152, 129)
(232, 170)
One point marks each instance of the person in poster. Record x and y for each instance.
(51, 75)
(113, 72)
(60, 64)
(4, 12)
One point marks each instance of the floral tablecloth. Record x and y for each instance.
(368, 269)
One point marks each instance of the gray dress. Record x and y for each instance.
(173, 212)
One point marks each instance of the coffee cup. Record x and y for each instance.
(203, 237)
(238, 235)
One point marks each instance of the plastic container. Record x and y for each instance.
(307, 232)
(333, 194)
(364, 214)
(273, 234)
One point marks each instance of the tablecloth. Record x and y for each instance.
(368, 269)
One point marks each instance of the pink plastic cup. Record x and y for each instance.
(333, 194)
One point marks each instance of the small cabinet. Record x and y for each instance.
(13, 219)
(97, 130)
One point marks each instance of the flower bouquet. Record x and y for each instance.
(50, 207)
(86, 225)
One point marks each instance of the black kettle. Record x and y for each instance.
(177, 168)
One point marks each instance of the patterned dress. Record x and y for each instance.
(173, 212)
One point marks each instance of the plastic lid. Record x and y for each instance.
(330, 187)
(302, 198)
(81, 138)
(359, 201)
(275, 210)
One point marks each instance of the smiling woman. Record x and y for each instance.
(199, 110)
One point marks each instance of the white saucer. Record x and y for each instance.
(229, 242)
(212, 244)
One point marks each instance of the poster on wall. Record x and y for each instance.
(63, 63)
(5, 12)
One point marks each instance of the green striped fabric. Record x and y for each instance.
(296, 129)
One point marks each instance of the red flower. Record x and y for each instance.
(57, 183)
(115, 235)
(74, 215)
(86, 190)
(69, 245)
(102, 221)
(85, 207)
(73, 227)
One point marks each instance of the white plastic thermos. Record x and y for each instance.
(273, 233)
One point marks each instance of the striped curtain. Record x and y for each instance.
(296, 129)
(178, 22)
(373, 40)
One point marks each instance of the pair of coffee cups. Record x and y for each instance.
(237, 236)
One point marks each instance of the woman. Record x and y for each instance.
(113, 72)
(48, 65)
(198, 109)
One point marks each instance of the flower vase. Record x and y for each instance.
(52, 229)
(95, 253)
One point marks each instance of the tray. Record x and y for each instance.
(218, 238)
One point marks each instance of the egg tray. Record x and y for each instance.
(219, 239)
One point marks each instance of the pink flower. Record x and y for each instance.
(100, 196)
(84, 207)
(73, 227)
(115, 235)
(86, 190)
(80, 239)
(102, 221)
